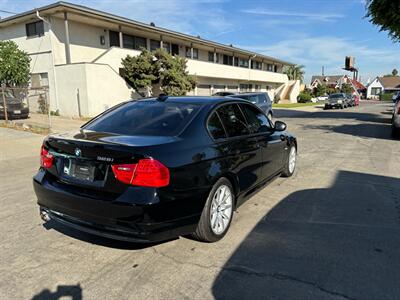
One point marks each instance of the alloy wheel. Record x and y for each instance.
(221, 209)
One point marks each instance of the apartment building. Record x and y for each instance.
(76, 51)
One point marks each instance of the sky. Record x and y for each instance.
(313, 33)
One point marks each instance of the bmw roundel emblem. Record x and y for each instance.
(78, 152)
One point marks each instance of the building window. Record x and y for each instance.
(227, 60)
(114, 38)
(376, 91)
(270, 67)
(188, 53)
(154, 45)
(175, 49)
(34, 29)
(210, 56)
(244, 87)
(133, 42)
(167, 47)
(244, 63)
(232, 87)
(256, 65)
(39, 80)
(257, 87)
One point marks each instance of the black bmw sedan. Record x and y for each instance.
(154, 169)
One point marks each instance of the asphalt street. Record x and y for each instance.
(332, 231)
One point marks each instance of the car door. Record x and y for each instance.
(272, 143)
(243, 153)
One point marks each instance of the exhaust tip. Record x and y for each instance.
(44, 215)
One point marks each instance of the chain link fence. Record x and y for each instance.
(28, 108)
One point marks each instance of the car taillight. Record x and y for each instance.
(46, 159)
(147, 172)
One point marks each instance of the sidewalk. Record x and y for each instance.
(56, 124)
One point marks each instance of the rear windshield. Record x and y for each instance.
(146, 118)
(333, 96)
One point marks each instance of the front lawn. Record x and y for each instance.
(293, 105)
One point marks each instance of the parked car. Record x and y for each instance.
(260, 99)
(395, 96)
(356, 100)
(337, 100)
(396, 119)
(154, 169)
(16, 108)
(350, 100)
(223, 94)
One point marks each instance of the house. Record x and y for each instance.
(76, 51)
(336, 82)
(333, 81)
(385, 84)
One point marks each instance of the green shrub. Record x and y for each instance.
(304, 97)
(386, 97)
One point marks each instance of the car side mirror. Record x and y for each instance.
(280, 126)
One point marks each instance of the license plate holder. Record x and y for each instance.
(17, 112)
(80, 170)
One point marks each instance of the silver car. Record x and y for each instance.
(338, 100)
(260, 99)
(396, 119)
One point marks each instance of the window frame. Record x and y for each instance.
(39, 31)
(271, 127)
(228, 138)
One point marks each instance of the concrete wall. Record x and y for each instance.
(39, 50)
(114, 55)
(208, 69)
(100, 88)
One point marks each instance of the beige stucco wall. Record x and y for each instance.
(84, 41)
(94, 82)
(114, 55)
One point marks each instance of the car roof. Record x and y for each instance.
(248, 94)
(193, 99)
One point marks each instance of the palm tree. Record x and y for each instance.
(295, 72)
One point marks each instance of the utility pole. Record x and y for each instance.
(323, 71)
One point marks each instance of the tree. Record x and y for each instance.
(320, 90)
(395, 72)
(14, 64)
(140, 71)
(295, 72)
(158, 68)
(346, 88)
(385, 14)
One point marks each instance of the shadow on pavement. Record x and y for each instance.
(365, 130)
(97, 240)
(337, 243)
(73, 292)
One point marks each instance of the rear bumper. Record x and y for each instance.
(332, 105)
(138, 216)
(24, 113)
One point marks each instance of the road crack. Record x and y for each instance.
(252, 272)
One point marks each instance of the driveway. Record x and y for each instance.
(332, 231)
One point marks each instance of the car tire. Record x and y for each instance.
(291, 160)
(209, 229)
(341, 106)
(395, 132)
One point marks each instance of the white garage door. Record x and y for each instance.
(203, 90)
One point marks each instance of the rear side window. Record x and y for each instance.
(257, 121)
(215, 127)
(151, 117)
(233, 120)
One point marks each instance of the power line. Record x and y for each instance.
(8, 12)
